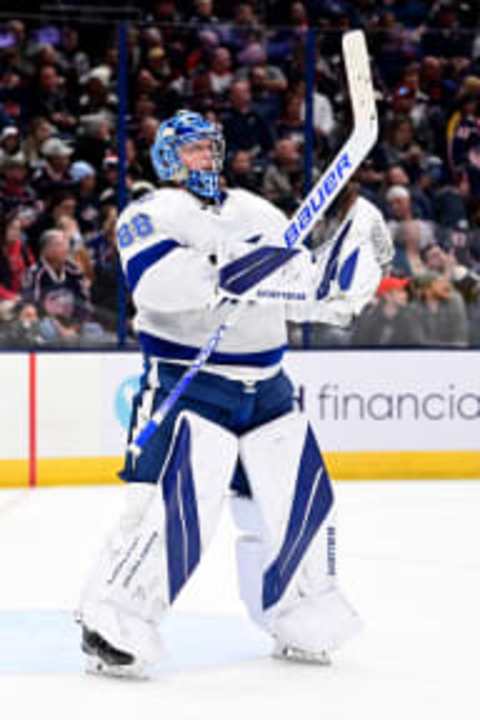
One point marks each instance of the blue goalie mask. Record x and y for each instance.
(183, 128)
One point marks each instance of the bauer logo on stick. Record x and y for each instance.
(310, 210)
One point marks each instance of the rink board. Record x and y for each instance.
(378, 415)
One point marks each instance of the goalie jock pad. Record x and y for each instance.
(160, 539)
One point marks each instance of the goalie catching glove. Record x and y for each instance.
(345, 272)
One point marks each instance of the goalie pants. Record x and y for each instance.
(233, 405)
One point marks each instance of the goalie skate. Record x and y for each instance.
(104, 659)
(283, 651)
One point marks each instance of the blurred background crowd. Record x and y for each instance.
(244, 64)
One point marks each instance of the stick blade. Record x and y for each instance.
(360, 86)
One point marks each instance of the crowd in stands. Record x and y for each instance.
(243, 64)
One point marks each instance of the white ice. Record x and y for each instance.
(408, 559)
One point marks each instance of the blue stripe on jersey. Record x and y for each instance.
(312, 500)
(245, 272)
(138, 264)
(183, 531)
(158, 347)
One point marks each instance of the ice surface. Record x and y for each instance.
(408, 559)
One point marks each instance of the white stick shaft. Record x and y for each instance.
(353, 152)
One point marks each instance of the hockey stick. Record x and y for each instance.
(333, 180)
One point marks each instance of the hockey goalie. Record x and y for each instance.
(189, 250)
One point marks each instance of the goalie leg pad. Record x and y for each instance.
(316, 624)
(291, 485)
(249, 551)
(149, 559)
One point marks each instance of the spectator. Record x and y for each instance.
(450, 202)
(463, 279)
(154, 79)
(473, 243)
(388, 46)
(290, 123)
(54, 174)
(144, 141)
(396, 175)
(444, 36)
(56, 286)
(408, 102)
(244, 27)
(410, 238)
(371, 178)
(218, 75)
(323, 117)
(241, 172)
(158, 64)
(40, 130)
(49, 99)
(463, 135)
(391, 320)
(165, 12)
(399, 140)
(266, 102)
(13, 95)
(9, 142)
(134, 168)
(431, 77)
(15, 190)
(254, 58)
(15, 258)
(62, 203)
(97, 98)
(23, 329)
(441, 310)
(245, 129)
(109, 173)
(429, 179)
(87, 211)
(104, 291)
(283, 179)
(73, 61)
(78, 252)
(400, 213)
(95, 139)
(299, 16)
(203, 14)
(399, 205)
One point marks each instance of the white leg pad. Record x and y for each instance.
(123, 629)
(250, 555)
(160, 539)
(318, 623)
(296, 540)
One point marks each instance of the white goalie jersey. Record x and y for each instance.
(172, 245)
(169, 242)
